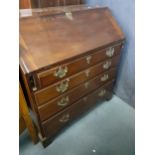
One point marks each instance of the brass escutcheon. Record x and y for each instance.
(69, 15)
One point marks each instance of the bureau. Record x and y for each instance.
(68, 63)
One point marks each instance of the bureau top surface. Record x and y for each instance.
(49, 39)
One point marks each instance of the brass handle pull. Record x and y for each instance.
(88, 59)
(102, 93)
(105, 77)
(63, 102)
(110, 52)
(61, 72)
(63, 86)
(64, 118)
(107, 65)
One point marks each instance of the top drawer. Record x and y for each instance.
(53, 75)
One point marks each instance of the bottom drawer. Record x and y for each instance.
(55, 123)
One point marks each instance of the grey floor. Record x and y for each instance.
(108, 129)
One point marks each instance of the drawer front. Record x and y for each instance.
(61, 102)
(54, 124)
(58, 73)
(59, 88)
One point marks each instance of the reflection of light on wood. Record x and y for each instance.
(25, 12)
(22, 61)
(22, 42)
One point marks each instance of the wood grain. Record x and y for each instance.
(25, 4)
(48, 33)
(25, 119)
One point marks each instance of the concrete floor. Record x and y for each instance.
(108, 129)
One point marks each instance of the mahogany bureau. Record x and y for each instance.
(68, 62)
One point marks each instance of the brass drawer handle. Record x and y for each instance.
(64, 118)
(61, 72)
(63, 102)
(63, 86)
(107, 65)
(110, 52)
(105, 77)
(102, 93)
(88, 59)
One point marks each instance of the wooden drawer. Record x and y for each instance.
(58, 73)
(87, 86)
(54, 124)
(61, 102)
(67, 84)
